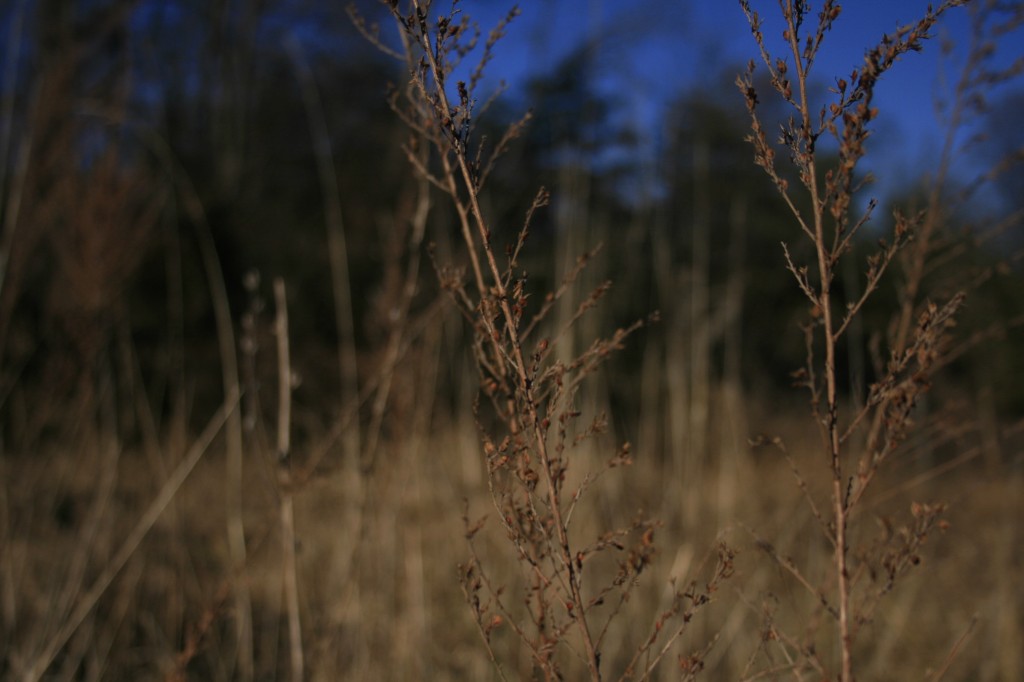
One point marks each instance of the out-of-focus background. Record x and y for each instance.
(162, 163)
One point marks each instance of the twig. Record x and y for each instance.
(284, 476)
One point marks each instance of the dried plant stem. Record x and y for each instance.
(954, 651)
(831, 194)
(131, 543)
(337, 248)
(533, 392)
(287, 507)
(577, 607)
(234, 464)
(398, 317)
(831, 432)
(194, 209)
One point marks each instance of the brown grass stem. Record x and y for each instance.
(337, 247)
(167, 492)
(285, 486)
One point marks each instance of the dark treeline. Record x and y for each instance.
(134, 131)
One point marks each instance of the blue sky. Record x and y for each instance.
(650, 50)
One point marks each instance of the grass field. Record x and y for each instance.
(453, 449)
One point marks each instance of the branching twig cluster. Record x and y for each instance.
(532, 426)
(859, 440)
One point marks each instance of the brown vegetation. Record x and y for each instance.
(469, 427)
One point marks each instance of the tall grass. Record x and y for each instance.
(855, 445)
(478, 501)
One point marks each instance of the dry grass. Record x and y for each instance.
(379, 587)
(467, 512)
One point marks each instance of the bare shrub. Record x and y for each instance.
(532, 427)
